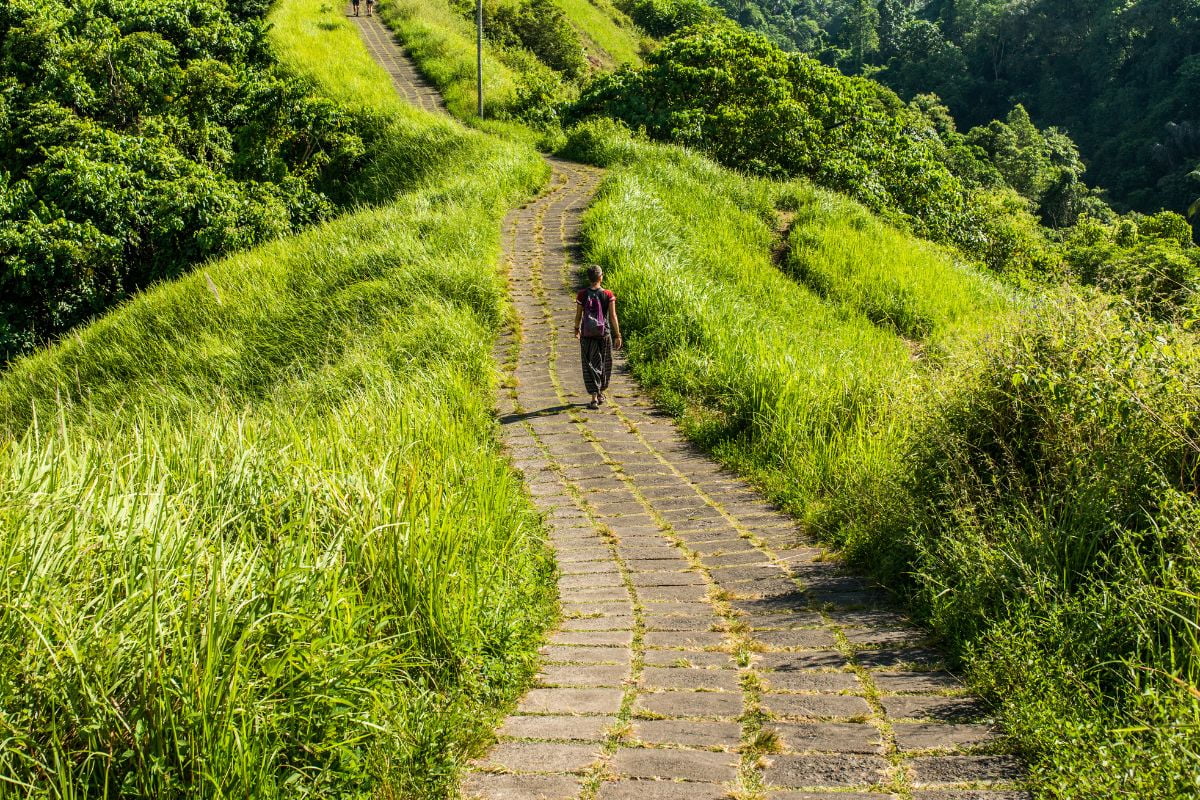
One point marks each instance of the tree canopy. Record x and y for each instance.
(138, 138)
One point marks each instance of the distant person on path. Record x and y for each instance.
(354, 4)
(596, 328)
(370, 7)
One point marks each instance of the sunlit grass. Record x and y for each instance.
(603, 26)
(920, 290)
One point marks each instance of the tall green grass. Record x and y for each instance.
(257, 537)
(912, 286)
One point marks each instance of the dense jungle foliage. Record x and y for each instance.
(1119, 77)
(138, 138)
(1007, 194)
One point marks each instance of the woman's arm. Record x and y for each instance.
(578, 317)
(616, 324)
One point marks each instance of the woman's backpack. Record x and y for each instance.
(595, 314)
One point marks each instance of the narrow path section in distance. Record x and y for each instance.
(388, 53)
(707, 649)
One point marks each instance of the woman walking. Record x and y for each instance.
(596, 328)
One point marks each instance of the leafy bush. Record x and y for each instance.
(139, 140)
(661, 18)
(1148, 260)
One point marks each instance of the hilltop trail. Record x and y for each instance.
(691, 605)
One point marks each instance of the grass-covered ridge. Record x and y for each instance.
(258, 537)
(1028, 483)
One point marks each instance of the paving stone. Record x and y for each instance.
(571, 701)
(584, 555)
(691, 704)
(948, 709)
(756, 572)
(593, 638)
(927, 770)
(592, 675)
(940, 736)
(796, 639)
(828, 737)
(736, 559)
(870, 636)
(641, 579)
(591, 729)
(661, 790)
(692, 765)
(762, 588)
(672, 594)
(915, 682)
(586, 655)
(971, 795)
(675, 678)
(825, 771)
(673, 564)
(520, 787)
(815, 705)
(792, 602)
(922, 657)
(691, 608)
(870, 617)
(588, 567)
(600, 580)
(687, 733)
(680, 640)
(596, 595)
(688, 658)
(794, 681)
(540, 757)
(624, 509)
(793, 795)
(573, 568)
(800, 660)
(678, 622)
(606, 623)
(795, 619)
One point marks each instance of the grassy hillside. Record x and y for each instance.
(525, 86)
(608, 33)
(258, 538)
(1030, 489)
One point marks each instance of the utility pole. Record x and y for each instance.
(479, 55)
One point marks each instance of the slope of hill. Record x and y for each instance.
(258, 537)
(1028, 481)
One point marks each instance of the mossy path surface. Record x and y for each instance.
(708, 649)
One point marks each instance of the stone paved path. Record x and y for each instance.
(384, 48)
(707, 650)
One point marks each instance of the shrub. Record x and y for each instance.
(661, 18)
